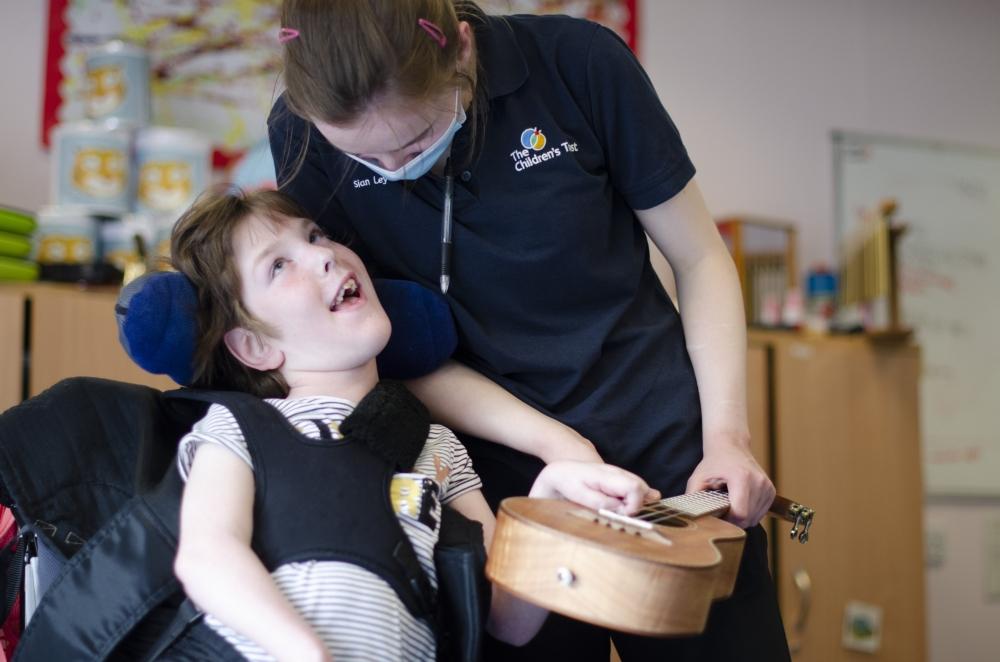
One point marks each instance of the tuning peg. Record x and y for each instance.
(795, 527)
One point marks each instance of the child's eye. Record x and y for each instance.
(316, 235)
(276, 266)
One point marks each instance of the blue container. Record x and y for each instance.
(91, 167)
(118, 84)
(66, 236)
(821, 283)
(174, 166)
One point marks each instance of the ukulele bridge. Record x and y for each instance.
(624, 520)
(622, 523)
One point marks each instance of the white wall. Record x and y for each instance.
(755, 87)
(23, 163)
(964, 624)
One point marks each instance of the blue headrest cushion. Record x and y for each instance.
(157, 326)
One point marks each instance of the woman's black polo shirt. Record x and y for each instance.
(551, 285)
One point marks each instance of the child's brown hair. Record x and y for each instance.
(201, 248)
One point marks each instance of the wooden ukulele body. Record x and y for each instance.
(655, 581)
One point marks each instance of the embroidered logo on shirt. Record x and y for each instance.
(533, 141)
(533, 138)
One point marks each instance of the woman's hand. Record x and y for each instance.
(593, 485)
(751, 492)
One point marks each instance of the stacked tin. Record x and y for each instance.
(118, 183)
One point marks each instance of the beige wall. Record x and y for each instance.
(23, 164)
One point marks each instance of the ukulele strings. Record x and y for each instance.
(660, 512)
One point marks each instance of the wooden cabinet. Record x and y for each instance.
(840, 420)
(49, 332)
(11, 347)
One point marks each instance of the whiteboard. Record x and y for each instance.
(949, 268)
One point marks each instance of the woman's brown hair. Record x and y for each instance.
(201, 248)
(350, 53)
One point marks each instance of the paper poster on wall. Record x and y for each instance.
(619, 15)
(949, 269)
(216, 63)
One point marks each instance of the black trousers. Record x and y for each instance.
(745, 627)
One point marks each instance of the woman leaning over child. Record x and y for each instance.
(548, 142)
(290, 316)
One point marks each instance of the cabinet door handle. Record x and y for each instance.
(803, 584)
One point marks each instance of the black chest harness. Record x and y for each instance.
(328, 499)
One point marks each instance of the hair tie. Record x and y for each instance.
(287, 34)
(434, 31)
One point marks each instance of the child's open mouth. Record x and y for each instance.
(348, 295)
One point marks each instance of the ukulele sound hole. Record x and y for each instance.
(673, 522)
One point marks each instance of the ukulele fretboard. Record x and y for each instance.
(696, 504)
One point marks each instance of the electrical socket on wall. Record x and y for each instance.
(934, 548)
(862, 629)
(991, 558)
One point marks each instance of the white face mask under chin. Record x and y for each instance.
(422, 163)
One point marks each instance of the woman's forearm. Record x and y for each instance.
(714, 325)
(467, 401)
(711, 308)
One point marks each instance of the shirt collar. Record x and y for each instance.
(501, 57)
(328, 407)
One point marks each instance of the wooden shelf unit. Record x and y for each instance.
(70, 331)
(838, 430)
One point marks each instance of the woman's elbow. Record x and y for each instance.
(516, 632)
(509, 636)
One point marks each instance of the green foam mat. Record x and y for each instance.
(15, 269)
(16, 221)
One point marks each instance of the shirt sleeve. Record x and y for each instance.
(310, 170)
(462, 477)
(218, 427)
(647, 160)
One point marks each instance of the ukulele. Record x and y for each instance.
(655, 573)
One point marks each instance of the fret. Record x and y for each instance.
(658, 514)
(697, 504)
(716, 502)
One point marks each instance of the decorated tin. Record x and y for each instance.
(125, 240)
(91, 166)
(118, 83)
(162, 228)
(66, 236)
(173, 167)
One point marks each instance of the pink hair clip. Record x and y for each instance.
(434, 31)
(287, 34)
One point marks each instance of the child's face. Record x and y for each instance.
(315, 295)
